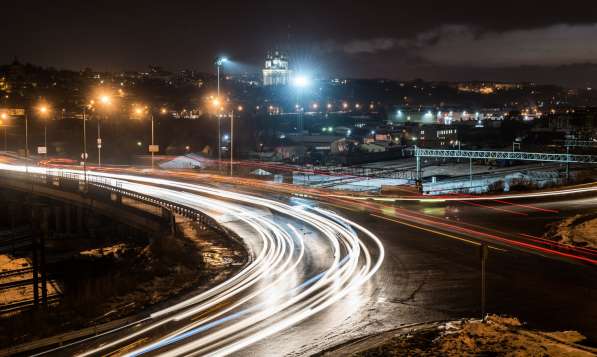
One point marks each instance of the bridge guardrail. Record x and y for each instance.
(76, 181)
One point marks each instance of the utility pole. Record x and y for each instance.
(27, 146)
(26, 136)
(470, 172)
(567, 163)
(46, 136)
(84, 156)
(152, 156)
(484, 254)
(231, 142)
(99, 144)
(219, 143)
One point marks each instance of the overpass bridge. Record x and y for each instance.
(78, 195)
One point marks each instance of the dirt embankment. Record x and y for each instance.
(579, 230)
(120, 280)
(498, 336)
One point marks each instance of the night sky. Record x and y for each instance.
(542, 41)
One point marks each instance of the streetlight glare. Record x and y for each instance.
(104, 99)
(301, 81)
(220, 61)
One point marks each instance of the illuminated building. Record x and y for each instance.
(276, 71)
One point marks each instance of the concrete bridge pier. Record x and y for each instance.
(80, 219)
(68, 218)
(58, 219)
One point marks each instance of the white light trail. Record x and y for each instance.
(267, 296)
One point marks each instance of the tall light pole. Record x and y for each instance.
(44, 112)
(26, 136)
(240, 109)
(3, 118)
(152, 144)
(300, 82)
(217, 104)
(141, 111)
(84, 156)
(219, 63)
(105, 101)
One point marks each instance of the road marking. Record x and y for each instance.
(437, 232)
(493, 208)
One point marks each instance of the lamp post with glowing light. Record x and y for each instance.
(217, 104)
(141, 111)
(105, 101)
(300, 82)
(219, 63)
(44, 112)
(85, 155)
(240, 109)
(4, 124)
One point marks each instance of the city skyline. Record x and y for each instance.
(505, 42)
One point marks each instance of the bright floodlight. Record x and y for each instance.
(301, 81)
(221, 61)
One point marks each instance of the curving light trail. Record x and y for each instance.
(291, 276)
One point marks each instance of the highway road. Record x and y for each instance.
(329, 269)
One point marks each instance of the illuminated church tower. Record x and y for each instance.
(276, 71)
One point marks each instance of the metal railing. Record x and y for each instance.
(76, 182)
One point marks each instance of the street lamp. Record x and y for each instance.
(105, 101)
(217, 104)
(240, 109)
(141, 111)
(300, 81)
(44, 112)
(84, 156)
(3, 118)
(219, 63)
